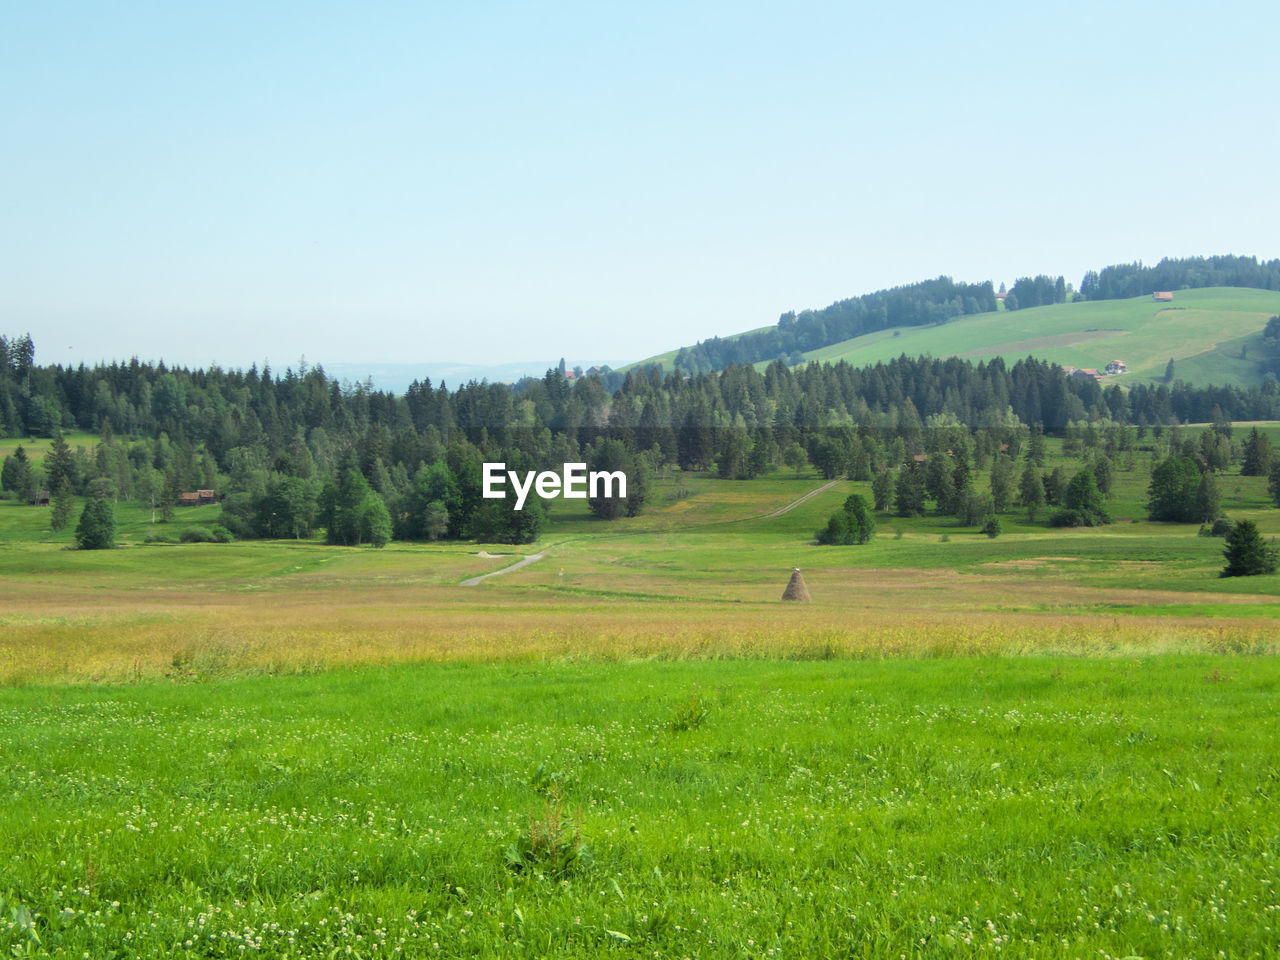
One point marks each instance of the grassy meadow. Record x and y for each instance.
(1048, 744)
(1214, 335)
(1044, 806)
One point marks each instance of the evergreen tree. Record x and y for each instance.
(852, 524)
(168, 496)
(59, 463)
(1055, 483)
(97, 527)
(1031, 491)
(795, 457)
(882, 489)
(940, 482)
(1082, 504)
(1173, 491)
(1035, 449)
(610, 456)
(1257, 455)
(354, 513)
(63, 506)
(1104, 473)
(909, 494)
(1247, 553)
(1273, 482)
(435, 520)
(1208, 506)
(18, 475)
(1002, 471)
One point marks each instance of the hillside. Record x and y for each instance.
(1213, 335)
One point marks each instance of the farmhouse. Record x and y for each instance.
(197, 498)
(1086, 373)
(1116, 367)
(1162, 296)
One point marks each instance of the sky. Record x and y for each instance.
(488, 182)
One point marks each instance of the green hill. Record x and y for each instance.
(1213, 335)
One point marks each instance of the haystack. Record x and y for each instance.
(796, 590)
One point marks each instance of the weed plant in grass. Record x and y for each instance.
(1046, 807)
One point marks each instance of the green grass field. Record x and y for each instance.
(1204, 331)
(1042, 807)
(1049, 744)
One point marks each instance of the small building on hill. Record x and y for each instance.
(40, 498)
(197, 498)
(1116, 367)
(1162, 296)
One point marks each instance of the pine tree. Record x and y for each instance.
(1002, 470)
(168, 496)
(1247, 553)
(97, 527)
(1207, 501)
(62, 507)
(882, 489)
(59, 464)
(1257, 455)
(910, 493)
(1031, 491)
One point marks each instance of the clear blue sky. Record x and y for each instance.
(488, 182)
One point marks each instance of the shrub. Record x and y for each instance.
(1068, 518)
(553, 845)
(1221, 527)
(689, 715)
(992, 527)
(854, 523)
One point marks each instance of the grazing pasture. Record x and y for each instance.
(1051, 743)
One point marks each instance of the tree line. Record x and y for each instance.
(290, 454)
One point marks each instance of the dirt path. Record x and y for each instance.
(475, 581)
(795, 503)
